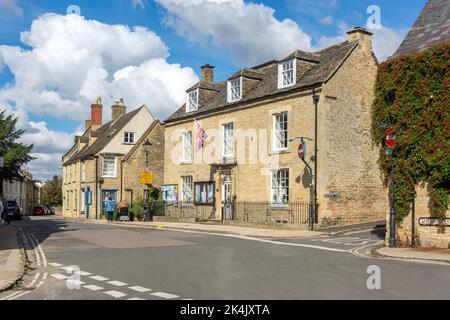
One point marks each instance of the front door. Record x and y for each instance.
(227, 199)
(106, 194)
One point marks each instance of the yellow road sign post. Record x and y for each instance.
(146, 177)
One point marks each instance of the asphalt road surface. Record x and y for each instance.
(74, 260)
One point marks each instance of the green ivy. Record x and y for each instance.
(413, 96)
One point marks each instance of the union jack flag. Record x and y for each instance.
(200, 137)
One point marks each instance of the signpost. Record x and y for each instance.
(301, 150)
(146, 177)
(389, 141)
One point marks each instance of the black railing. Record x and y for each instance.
(294, 212)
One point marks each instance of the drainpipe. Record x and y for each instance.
(96, 188)
(316, 101)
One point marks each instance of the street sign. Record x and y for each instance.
(146, 177)
(301, 150)
(389, 138)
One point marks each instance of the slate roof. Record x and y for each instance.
(325, 64)
(431, 27)
(105, 133)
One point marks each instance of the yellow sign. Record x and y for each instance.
(146, 177)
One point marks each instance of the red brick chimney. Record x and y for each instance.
(96, 112)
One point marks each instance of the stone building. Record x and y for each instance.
(231, 149)
(26, 191)
(107, 159)
(431, 27)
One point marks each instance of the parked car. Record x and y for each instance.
(50, 210)
(39, 211)
(14, 210)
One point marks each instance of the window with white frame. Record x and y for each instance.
(75, 200)
(83, 200)
(234, 90)
(109, 167)
(70, 173)
(74, 172)
(228, 141)
(187, 189)
(280, 131)
(128, 137)
(287, 73)
(67, 200)
(83, 171)
(192, 101)
(280, 186)
(187, 146)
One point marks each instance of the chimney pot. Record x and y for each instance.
(96, 112)
(118, 109)
(208, 73)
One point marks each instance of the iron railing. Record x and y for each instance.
(294, 212)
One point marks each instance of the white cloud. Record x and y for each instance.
(327, 21)
(12, 6)
(72, 60)
(138, 3)
(248, 31)
(45, 166)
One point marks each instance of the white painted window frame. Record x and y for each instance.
(83, 171)
(187, 182)
(114, 175)
(190, 107)
(227, 153)
(230, 86)
(282, 71)
(275, 147)
(187, 145)
(279, 186)
(129, 137)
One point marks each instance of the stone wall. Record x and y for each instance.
(425, 236)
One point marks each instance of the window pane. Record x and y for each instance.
(280, 186)
(187, 146)
(228, 143)
(280, 131)
(186, 189)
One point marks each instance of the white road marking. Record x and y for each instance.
(136, 298)
(34, 280)
(187, 299)
(70, 269)
(58, 276)
(164, 295)
(117, 283)
(139, 289)
(99, 278)
(40, 284)
(40, 249)
(55, 264)
(82, 273)
(45, 276)
(93, 287)
(115, 294)
(74, 282)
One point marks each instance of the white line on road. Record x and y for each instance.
(115, 294)
(139, 289)
(93, 287)
(164, 295)
(136, 298)
(99, 278)
(82, 273)
(39, 248)
(34, 280)
(55, 264)
(117, 283)
(58, 276)
(74, 282)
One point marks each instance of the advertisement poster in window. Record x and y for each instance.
(204, 193)
(170, 194)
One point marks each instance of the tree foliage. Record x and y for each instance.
(52, 191)
(15, 154)
(413, 96)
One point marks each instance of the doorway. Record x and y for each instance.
(227, 198)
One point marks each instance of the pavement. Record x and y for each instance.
(265, 233)
(96, 261)
(12, 261)
(429, 254)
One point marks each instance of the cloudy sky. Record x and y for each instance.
(53, 64)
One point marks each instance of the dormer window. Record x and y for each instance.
(287, 74)
(234, 89)
(192, 103)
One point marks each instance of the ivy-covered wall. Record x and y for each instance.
(413, 96)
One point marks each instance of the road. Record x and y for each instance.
(75, 260)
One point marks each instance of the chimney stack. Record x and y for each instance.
(360, 34)
(118, 109)
(208, 73)
(96, 112)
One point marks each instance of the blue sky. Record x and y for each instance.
(180, 37)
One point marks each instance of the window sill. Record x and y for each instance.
(129, 143)
(187, 162)
(279, 206)
(110, 177)
(280, 151)
(187, 205)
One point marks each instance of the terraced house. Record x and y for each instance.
(107, 159)
(231, 149)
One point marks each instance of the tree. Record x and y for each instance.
(52, 191)
(15, 154)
